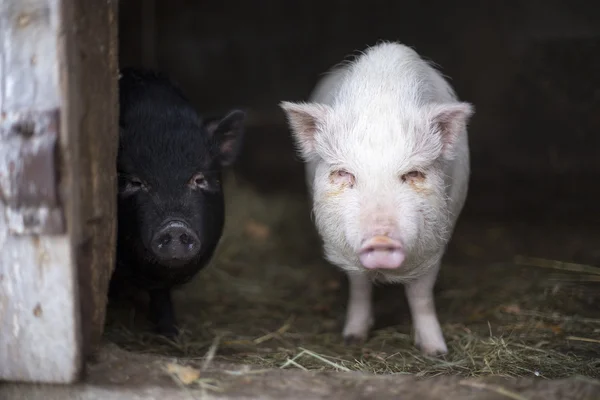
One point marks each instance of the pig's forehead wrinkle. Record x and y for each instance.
(166, 136)
(392, 159)
(380, 121)
(167, 159)
(181, 165)
(177, 156)
(387, 165)
(394, 143)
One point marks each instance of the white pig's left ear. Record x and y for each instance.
(449, 121)
(304, 120)
(228, 133)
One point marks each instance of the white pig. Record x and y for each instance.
(384, 139)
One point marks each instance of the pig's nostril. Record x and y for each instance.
(381, 252)
(176, 243)
(186, 239)
(164, 240)
(380, 248)
(381, 243)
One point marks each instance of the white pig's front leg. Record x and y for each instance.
(359, 314)
(427, 330)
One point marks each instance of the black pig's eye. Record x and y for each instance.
(136, 183)
(199, 181)
(129, 185)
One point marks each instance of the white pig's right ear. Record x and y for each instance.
(449, 120)
(304, 120)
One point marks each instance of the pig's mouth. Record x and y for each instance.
(381, 252)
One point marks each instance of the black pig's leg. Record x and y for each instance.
(162, 313)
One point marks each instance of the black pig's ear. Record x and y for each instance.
(228, 133)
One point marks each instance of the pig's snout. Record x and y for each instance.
(381, 252)
(175, 243)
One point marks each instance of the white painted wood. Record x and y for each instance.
(39, 314)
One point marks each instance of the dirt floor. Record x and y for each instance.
(120, 375)
(269, 300)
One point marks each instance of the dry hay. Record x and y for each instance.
(269, 300)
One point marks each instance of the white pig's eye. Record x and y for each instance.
(342, 177)
(198, 181)
(413, 176)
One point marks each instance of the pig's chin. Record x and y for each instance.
(381, 259)
(176, 262)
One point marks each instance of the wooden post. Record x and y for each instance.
(58, 131)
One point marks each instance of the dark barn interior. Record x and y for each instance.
(518, 292)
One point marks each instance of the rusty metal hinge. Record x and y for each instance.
(29, 172)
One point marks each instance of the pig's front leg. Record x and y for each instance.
(427, 330)
(359, 314)
(162, 313)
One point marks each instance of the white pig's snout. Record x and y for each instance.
(381, 252)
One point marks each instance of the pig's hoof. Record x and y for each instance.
(352, 340)
(430, 340)
(433, 349)
(357, 331)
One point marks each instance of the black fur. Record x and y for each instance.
(163, 144)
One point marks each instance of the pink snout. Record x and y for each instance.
(381, 252)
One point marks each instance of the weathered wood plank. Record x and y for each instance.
(57, 55)
(39, 318)
(91, 116)
(28, 181)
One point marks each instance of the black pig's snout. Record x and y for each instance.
(175, 243)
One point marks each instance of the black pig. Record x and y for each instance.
(171, 209)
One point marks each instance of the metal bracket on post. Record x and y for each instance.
(29, 172)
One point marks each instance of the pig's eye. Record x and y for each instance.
(129, 185)
(342, 177)
(198, 181)
(413, 176)
(135, 183)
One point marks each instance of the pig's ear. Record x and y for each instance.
(228, 133)
(211, 124)
(449, 120)
(304, 120)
